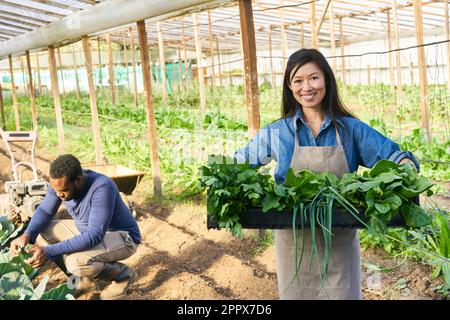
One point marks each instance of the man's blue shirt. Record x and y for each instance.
(98, 209)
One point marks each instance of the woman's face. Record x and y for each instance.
(308, 85)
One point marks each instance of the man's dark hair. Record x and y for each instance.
(65, 165)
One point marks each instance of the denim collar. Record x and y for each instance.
(299, 117)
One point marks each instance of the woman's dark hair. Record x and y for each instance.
(331, 103)
(65, 165)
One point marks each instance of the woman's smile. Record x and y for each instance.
(308, 85)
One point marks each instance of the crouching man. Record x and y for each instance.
(102, 232)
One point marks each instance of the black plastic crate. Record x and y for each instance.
(256, 219)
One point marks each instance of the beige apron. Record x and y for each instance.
(343, 280)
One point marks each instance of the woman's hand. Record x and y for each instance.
(407, 160)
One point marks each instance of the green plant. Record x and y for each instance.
(435, 156)
(16, 281)
(440, 242)
(264, 242)
(231, 188)
(16, 275)
(7, 231)
(374, 240)
(382, 192)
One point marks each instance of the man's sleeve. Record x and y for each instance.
(373, 146)
(258, 150)
(43, 215)
(102, 208)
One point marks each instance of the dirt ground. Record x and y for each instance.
(180, 258)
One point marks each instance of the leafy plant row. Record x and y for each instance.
(16, 275)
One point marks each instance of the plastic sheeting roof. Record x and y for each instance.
(360, 19)
(18, 17)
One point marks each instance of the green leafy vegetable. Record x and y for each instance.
(382, 192)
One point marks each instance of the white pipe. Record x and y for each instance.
(100, 17)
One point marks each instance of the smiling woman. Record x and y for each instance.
(316, 132)
(310, 82)
(308, 85)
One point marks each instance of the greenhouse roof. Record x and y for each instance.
(18, 17)
(361, 20)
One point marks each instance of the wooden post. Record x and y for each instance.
(283, 37)
(162, 62)
(61, 71)
(149, 109)
(13, 94)
(2, 109)
(243, 67)
(75, 66)
(213, 75)
(422, 70)
(302, 35)
(218, 60)
(183, 42)
(397, 54)
(375, 78)
(313, 22)
(38, 68)
(56, 98)
(250, 66)
(24, 81)
(92, 100)
(342, 44)
(391, 65)
(34, 114)
(111, 80)
(125, 56)
(198, 50)
(230, 75)
(368, 74)
(272, 74)
(250, 71)
(34, 73)
(322, 19)
(180, 69)
(100, 77)
(447, 37)
(332, 38)
(133, 62)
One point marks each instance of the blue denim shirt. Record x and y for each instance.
(363, 145)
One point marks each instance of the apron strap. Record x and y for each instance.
(295, 132)
(338, 136)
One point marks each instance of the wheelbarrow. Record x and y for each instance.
(125, 178)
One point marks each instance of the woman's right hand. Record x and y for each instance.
(19, 243)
